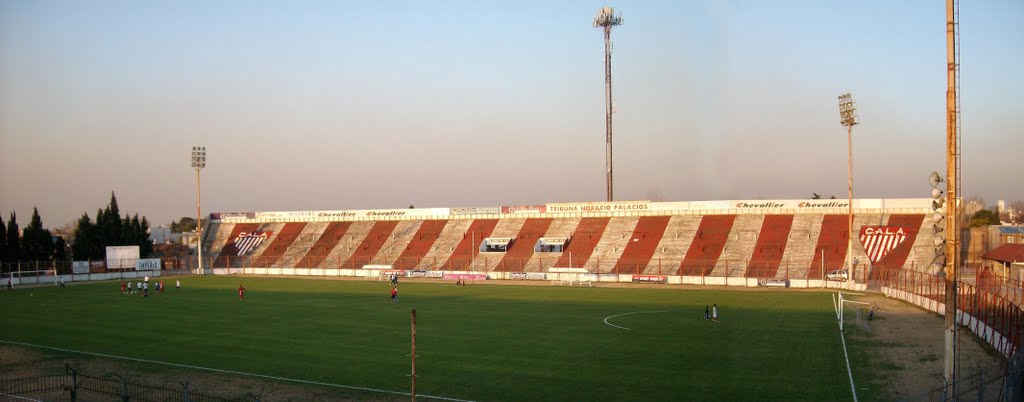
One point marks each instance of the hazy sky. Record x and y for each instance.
(308, 105)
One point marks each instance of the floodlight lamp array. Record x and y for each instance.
(847, 110)
(198, 157)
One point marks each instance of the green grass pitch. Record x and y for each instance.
(479, 342)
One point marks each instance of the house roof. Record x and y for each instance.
(1011, 230)
(1007, 253)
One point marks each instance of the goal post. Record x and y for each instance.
(849, 311)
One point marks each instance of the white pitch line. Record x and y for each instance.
(629, 313)
(850, 372)
(234, 372)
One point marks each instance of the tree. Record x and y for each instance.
(113, 226)
(183, 225)
(60, 250)
(815, 196)
(87, 241)
(984, 217)
(110, 229)
(37, 242)
(13, 246)
(145, 243)
(3, 240)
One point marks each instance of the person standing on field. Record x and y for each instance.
(241, 292)
(179, 283)
(122, 287)
(714, 312)
(394, 294)
(161, 286)
(10, 285)
(707, 313)
(138, 286)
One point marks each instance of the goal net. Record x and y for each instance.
(854, 314)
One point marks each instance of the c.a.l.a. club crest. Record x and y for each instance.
(246, 242)
(878, 241)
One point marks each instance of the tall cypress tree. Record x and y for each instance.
(13, 239)
(146, 247)
(99, 232)
(3, 240)
(113, 227)
(85, 238)
(37, 242)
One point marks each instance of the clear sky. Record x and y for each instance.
(309, 105)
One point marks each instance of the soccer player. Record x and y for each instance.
(10, 285)
(179, 283)
(394, 294)
(145, 290)
(241, 292)
(714, 312)
(122, 287)
(161, 286)
(130, 288)
(707, 313)
(138, 286)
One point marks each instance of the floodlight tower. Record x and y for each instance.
(606, 19)
(198, 163)
(848, 117)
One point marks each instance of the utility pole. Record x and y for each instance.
(952, 193)
(606, 19)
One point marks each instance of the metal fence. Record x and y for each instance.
(77, 387)
(979, 386)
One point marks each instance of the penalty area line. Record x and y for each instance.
(326, 384)
(629, 313)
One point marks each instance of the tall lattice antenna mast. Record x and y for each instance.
(606, 19)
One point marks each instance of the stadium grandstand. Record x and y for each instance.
(798, 240)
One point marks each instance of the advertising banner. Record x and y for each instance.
(97, 266)
(524, 209)
(80, 267)
(424, 274)
(235, 215)
(650, 279)
(476, 211)
(284, 215)
(533, 276)
(600, 206)
(381, 213)
(472, 277)
(782, 283)
(148, 264)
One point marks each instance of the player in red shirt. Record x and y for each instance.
(394, 294)
(161, 286)
(241, 292)
(122, 287)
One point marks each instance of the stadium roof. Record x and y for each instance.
(1007, 253)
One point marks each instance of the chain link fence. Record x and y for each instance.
(79, 387)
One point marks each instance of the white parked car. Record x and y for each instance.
(837, 275)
